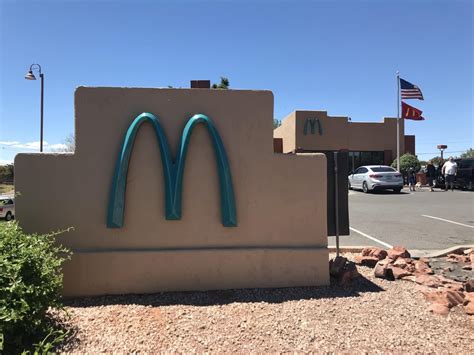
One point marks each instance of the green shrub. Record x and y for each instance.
(407, 161)
(30, 283)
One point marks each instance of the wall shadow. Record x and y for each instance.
(223, 297)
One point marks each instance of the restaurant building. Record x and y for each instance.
(368, 143)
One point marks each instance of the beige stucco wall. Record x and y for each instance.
(339, 133)
(286, 131)
(281, 237)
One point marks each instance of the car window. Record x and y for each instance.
(382, 169)
(466, 164)
(362, 170)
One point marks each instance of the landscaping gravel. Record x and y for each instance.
(373, 315)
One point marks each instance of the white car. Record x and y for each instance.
(376, 177)
(7, 208)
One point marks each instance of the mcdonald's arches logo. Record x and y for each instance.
(172, 171)
(311, 124)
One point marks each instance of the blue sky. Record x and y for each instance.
(338, 56)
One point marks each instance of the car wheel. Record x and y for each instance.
(8, 217)
(397, 191)
(365, 188)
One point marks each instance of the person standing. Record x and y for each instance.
(411, 179)
(449, 171)
(430, 174)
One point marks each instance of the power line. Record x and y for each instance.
(452, 151)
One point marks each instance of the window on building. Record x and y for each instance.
(357, 159)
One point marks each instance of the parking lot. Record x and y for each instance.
(418, 220)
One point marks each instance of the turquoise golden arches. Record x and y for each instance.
(172, 171)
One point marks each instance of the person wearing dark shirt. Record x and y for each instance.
(430, 174)
(411, 179)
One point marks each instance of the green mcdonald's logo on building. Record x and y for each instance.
(172, 171)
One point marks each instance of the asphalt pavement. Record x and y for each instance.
(417, 220)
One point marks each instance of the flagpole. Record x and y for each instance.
(398, 120)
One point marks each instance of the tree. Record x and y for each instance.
(6, 173)
(276, 123)
(468, 154)
(69, 144)
(407, 161)
(224, 84)
(437, 161)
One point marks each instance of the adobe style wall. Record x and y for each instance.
(337, 133)
(280, 239)
(410, 144)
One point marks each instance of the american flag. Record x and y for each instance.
(410, 91)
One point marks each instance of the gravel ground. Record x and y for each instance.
(371, 315)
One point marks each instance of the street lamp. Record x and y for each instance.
(31, 76)
(441, 148)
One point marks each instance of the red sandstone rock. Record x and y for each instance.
(445, 297)
(428, 281)
(445, 280)
(375, 252)
(369, 261)
(453, 287)
(468, 297)
(401, 262)
(348, 276)
(455, 297)
(425, 260)
(343, 270)
(456, 258)
(398, 272)
(336, 266)
(398, 252)
(349, 273)
(469, 308)
(438, 309)
(405, 263)
(469, 286)
(379, 253)
(411, 278)
(422, 267)
(382, 271)
(367, 251)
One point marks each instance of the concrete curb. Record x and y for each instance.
(415, 253)
(444, 252)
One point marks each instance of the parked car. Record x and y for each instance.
(7, 208)
(465, 174)
(376, 177)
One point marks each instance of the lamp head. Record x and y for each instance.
(30, 75)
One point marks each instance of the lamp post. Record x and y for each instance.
(31, 76)
(441, 148)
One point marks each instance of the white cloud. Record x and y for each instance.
(58, 146)
(28, 145)
(10, 145)
(5, 161)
